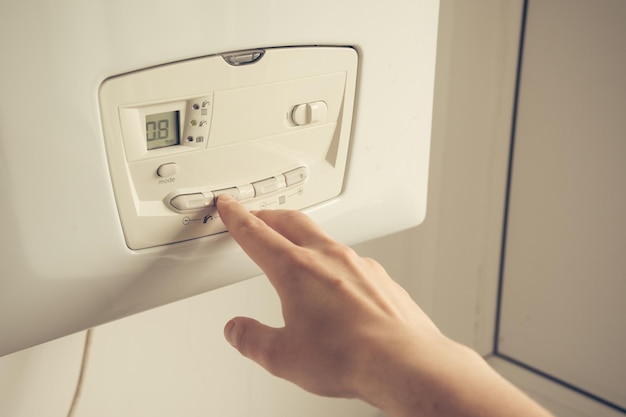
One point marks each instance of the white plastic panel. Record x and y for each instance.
(64, 261)
(179, 134)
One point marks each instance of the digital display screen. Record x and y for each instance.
(162, 129)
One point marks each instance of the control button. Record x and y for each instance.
(318, 111)
(296, 175)
(300, 115)
(269, 185)
(192, 201)
(167, 170)
(240, 192)
(246, 191)
(307, 113)
(233, 191)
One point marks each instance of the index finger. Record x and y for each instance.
(263, 244)
(295, 226)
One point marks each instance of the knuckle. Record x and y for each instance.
(300, 259)
(270, 356)
(248, 225)
(344, 253)
(285, 216)
(263, 350)
(290, 214)
(372, 263)
(270, 359)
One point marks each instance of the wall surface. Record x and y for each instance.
(564, 280)
(41, 381)
(451, 262)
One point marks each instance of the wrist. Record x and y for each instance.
(434, 376)
(408, 375)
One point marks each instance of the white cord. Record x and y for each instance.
(81, 374)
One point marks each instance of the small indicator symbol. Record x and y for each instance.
(200, 139)
(281, 199)
(204, 112)
(186, 220)
(299, 191)
(207, 218)
(206, 103)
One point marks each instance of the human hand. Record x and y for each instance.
(335, 304)
(350, 330)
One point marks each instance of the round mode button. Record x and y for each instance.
(167, 170)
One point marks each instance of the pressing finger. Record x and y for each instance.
(295, 226)
(262, 244)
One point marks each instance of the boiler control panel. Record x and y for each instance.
(269, 126)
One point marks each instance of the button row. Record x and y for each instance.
(199, 200)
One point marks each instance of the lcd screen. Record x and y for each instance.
(162, 129)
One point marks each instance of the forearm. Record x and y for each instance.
(443, 378)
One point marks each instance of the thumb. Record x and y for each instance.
(252, 339)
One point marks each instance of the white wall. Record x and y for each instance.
(450, 262)
(41, 381)
(173, 360)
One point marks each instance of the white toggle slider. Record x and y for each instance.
(308, 113)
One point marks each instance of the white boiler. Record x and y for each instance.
(122, 121)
